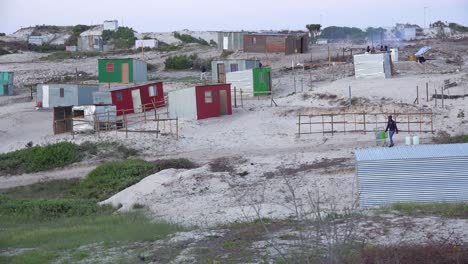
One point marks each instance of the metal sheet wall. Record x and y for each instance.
(183, 103)
(434, 179)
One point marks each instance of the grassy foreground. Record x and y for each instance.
(46, 221)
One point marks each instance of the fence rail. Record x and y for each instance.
(335, 123)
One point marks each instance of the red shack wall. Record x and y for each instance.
(127, 101)
(207, 110)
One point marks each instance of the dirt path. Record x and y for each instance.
(74, 171)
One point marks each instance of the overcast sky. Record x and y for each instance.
(170, 15)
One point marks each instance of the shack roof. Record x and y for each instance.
(413, 152)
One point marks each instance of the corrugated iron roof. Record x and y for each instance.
(412, 152)
(422, 50)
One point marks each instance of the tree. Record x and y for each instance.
(314, 29)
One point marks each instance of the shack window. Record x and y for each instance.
(208, 97)
(260, 77)
(62, 92)
(119, 97)
(109, 67)
(78, 114)
(153, 91)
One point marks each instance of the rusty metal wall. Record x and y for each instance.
(276, 44)
(255, 43)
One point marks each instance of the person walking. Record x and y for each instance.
(392, 127)
(203, 73)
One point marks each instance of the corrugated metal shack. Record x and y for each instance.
(253, 82)
(126, 70)
(91, 40)
(6, 83)
(420, 173)
(287, 43)
(54, 95)
(233, 40)
(220, 68)
(372, 65)
(86, 118)
(200, 102)
(132, 98)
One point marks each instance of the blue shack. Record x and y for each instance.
(54, 95)
(6, 83)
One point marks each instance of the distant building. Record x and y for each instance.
(91, 40)
(287, 43)
(132, 98)
(126, 70)
(71, 48)
(6, 83)
(233, 40)
(321, 41)
(219, 68)
(372, 65)
(37, 40)
(200, 102)
(111, 25)
(146, 43)
(54, 95)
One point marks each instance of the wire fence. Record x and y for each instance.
(355, 122)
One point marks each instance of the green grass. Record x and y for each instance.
(41, 158)
(110, 178)
(457, 210)
(30, 257)
(42, 190)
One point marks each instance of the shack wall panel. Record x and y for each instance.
(183, 104)
(213, 109)
(275, 44)
(140, 72)
(241, 80)
(260, 44)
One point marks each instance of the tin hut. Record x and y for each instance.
(287, 43)
(419, 173)
(91, 40)
(54, 95)
(86, 118)
(256, 82)
(220, 68)
(372, 65)
(232, 40)
(122, 70)
(6, 83)
(200, 102)
(133, 98)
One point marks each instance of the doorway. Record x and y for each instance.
(223, 102)
(221, 73)
(125, 77)
(136, 101)
(45, 96)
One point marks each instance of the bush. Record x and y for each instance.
(189, 39)
(174, 163)
(111, 178)
(225, 54)
(445, 138)
(180, 62)
(49, 208)
(122, 38)
(151, 67)
(39, 158)
(164, 47)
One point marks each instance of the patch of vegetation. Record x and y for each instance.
(190, 39)
(76, 31)
(410, 253)
(44, 48)
(457, 210)
(151, 67)
(180, 62)
(164, 47)
(343, 33)
(225, 54)
(458, 27)
(41, 158)
(42, 190)
(2, 34)
(47, 28)
(445, 138)
(63, 55)
(122, 38)
(180, 163)
(110, 178)
(30, 257)
(213, 43)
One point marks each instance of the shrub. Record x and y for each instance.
(189, 39)
(49, 208)
(179, 62)
(445, 138)
(164, 47)
(151, 67)
(122, 38)
(111, 178)
(174, 163)
(39, 158)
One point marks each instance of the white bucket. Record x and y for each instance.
(408, 140)
(416, 140)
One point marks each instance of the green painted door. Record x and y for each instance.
(262, 81)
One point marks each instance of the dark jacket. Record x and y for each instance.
(391, 125)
